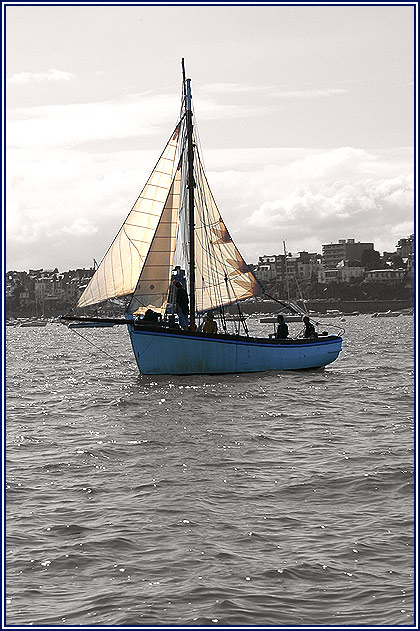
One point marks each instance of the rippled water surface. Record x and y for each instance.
(277, 499)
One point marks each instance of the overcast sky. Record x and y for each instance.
(305, 116)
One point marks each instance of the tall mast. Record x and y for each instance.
(190, 186)
(285, 269)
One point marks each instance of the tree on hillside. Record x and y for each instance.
(397, 262)
(371, 259)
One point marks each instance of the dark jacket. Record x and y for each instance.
(309, 330)
(182, 300)
(282, 331)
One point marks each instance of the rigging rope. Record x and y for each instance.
(286, 305)
(212, 251)
(97, 347)
(213, 288)
(295, 310)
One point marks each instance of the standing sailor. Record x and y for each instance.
(182, 307)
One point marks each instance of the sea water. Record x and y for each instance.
(278, 499)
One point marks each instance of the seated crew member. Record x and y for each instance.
(209, 324)
(282, 328)
(309, 330)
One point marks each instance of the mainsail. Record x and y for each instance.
(221, 275)
(119, 270)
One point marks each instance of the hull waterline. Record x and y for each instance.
(160, 352)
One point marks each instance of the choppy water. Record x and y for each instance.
(278, 499)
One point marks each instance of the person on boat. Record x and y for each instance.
(151, 316)
(282, 328)
(309, 330)
(209, 325)
(182, 307)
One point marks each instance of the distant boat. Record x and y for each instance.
(33, 323)
(329, 313)
(90, 325)
(287, 318)
(235, 318)
(386, 314)
(177, 206)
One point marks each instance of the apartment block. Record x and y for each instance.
(345, 250)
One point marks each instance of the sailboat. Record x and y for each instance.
(288, 317)
(176, 219)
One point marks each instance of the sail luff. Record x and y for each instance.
(119, 270)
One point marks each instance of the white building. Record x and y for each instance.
(340, 274)
(386, 276)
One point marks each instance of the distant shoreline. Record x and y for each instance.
(321, 306)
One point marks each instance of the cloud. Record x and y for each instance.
(65, 205)
(340, 162)
(233, 88)
(80, 227)
(240, 88)
(311, 199)
(339, 204)
(365, 208)
(133, 116)
(310, 93)
(51, 75)
(61, 125)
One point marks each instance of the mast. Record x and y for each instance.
(190, 186)
(287, 275)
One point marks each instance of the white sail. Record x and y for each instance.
(221, 275)
(153, 285)
(119, 270)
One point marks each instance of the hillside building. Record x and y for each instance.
(345, 250)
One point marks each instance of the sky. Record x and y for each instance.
(305, 116)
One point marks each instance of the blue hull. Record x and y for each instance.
(166, 352)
